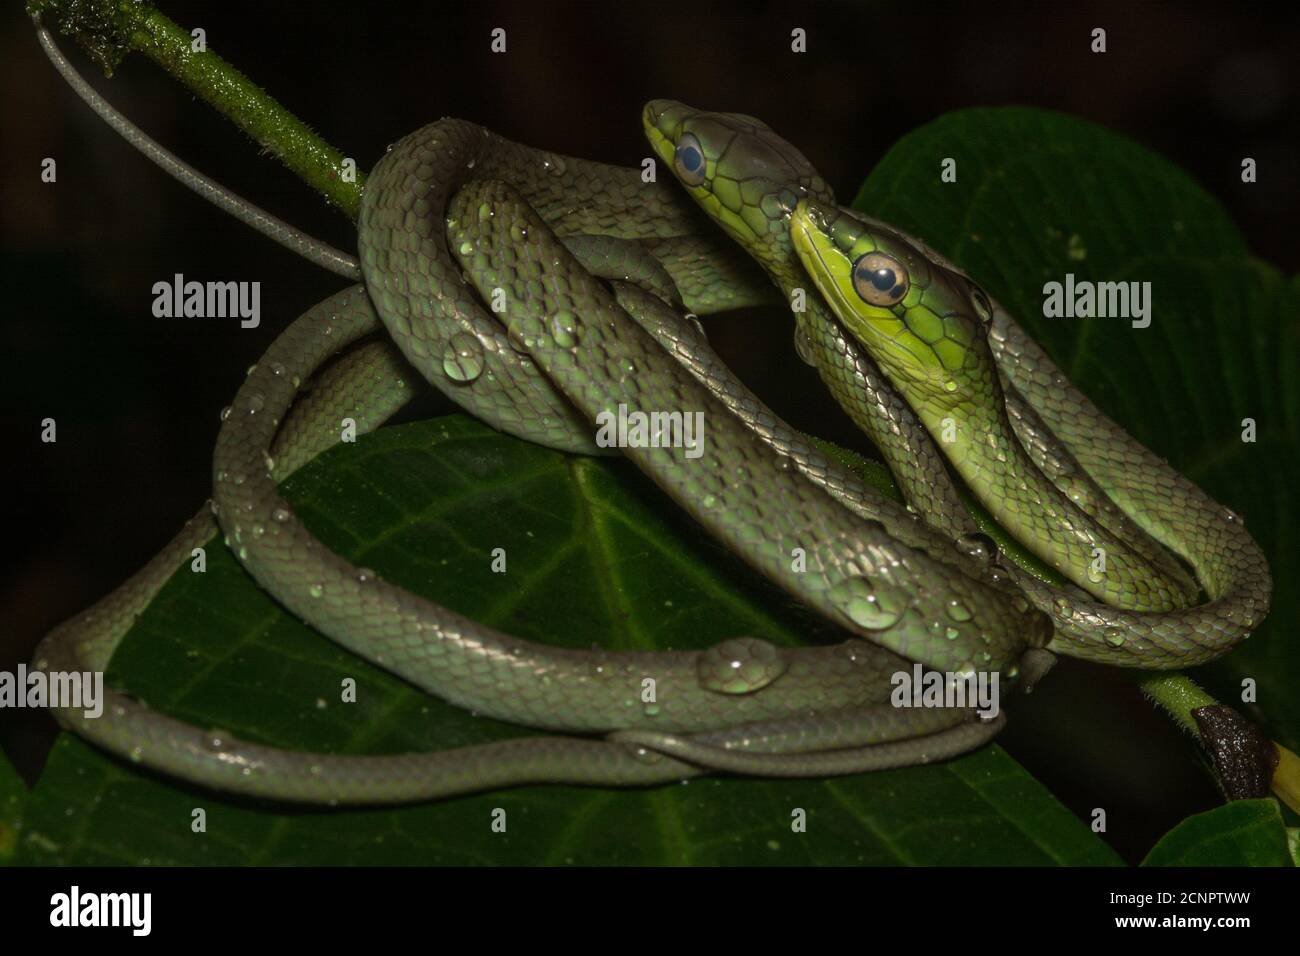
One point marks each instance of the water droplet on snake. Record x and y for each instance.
(462, 359)
(281, 514)
(564, 329)
(739, 666)
(803, 347)
(225, 413)
(316, 590)
(958, 611)
(977, 546)
(874, 607)
(523, 334)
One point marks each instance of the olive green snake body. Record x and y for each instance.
(454, 216)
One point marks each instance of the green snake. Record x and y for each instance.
(590, 270)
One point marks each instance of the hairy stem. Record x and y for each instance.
(1178, 695)
(107, 29)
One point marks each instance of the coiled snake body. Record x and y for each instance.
(454, 217)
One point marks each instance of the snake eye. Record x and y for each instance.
(879, 279)
(983, 307)
(689, 160)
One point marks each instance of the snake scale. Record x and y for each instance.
(591, 271)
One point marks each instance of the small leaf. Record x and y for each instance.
(1241, 833)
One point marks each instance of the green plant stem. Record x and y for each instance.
(1177, 694)
(107, 29)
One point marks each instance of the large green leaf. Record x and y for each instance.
(1241, 833)
(593, 556)
(596, 554)
(1039, 195)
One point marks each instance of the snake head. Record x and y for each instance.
(747, 178)
(924, 324)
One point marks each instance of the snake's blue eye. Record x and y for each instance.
(689, 160)
(879, 279)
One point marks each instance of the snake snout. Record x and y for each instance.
(665, 115)
(656, 108)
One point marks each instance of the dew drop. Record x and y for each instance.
(739, 666)
(958, 611)
(977, 546)
(803, 347)
(872, 607)
(462, 359)
(564, 329)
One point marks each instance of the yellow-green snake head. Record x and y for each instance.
(926, 326)
(745, 177)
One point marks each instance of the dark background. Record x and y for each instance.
(136, 398)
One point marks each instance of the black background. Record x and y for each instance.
(136, 398)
